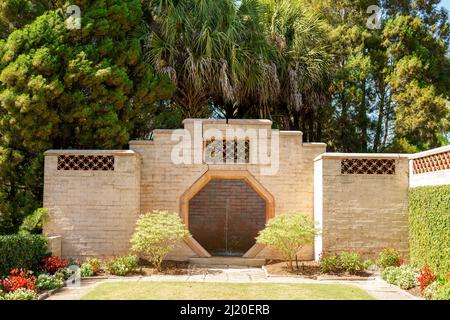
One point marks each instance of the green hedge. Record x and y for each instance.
(429, 227)
(21, 251)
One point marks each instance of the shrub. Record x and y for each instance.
(20, 294)
(53, 264)
(95, 264)
(351, 262)
(329, 264)
(48, 282)
(122, 266)
(442, 292)
(389, 257)
(19, 278)
(368, 264)
(86, 270)
(21, 251)
(33, 223)
(288, 234)
(404, 276)
(425, 278)
(62, 274)
(431, 290)
(156, 234)
(429, 236)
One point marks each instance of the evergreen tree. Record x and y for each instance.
(61, 88)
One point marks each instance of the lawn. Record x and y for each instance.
(224, 291)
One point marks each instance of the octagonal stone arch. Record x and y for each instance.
(224, 174)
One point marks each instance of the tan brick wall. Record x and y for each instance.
(163, 183)
(362, 212)
(93, 211)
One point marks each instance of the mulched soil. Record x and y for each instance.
(415, 292)
(308, 269)
(168, 268)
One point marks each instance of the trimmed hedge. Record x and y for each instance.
(429, 227)
(21, 251)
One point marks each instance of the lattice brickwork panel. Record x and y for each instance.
(368, 166)
(227, 151)
(86, 162)
(435, 162)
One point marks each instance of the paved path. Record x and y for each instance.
(376, 287)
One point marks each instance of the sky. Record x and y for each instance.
(446, 4)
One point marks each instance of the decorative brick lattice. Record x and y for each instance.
(86, 162)
(435, 162)
(368, 166)
(227, 151)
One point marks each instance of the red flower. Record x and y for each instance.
(19, 279)
(53, 264)
(425, 278)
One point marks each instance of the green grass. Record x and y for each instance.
(224, 291)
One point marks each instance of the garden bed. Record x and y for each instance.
(310, 270)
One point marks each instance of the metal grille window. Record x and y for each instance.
(368, 166)
(435, 162)
(86, 162)
(227, 151)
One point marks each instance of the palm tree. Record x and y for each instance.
(304, 64)
(214, 51)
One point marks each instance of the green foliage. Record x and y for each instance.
(86, 270)
(429, 227)
(33, 223)
(20, 294)
(21, 251)
(368, 264)
(288, 233)
(330, 264)
(122, 266)
(62, 88)
(388, 257)
(351, 262)
(156, 234)
(49, 282)
(404, 276)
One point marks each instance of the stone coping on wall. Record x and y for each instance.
(430, 152)
(339, 155)
(91, 152)
(230, 121)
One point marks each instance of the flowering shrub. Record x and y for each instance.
(20, 294)
(389, 257)
(425, 278)
(86, 270)
(53, 264)
(48, 282)
(19, 278)
(95, 264)
(123, 265)
(404, 276)
(351, 262)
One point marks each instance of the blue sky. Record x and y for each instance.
(446, 4)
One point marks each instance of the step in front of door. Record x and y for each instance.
(228, 261)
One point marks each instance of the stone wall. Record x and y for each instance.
(94, 211)
(430, 168)
(362, 208)
(163, 182)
